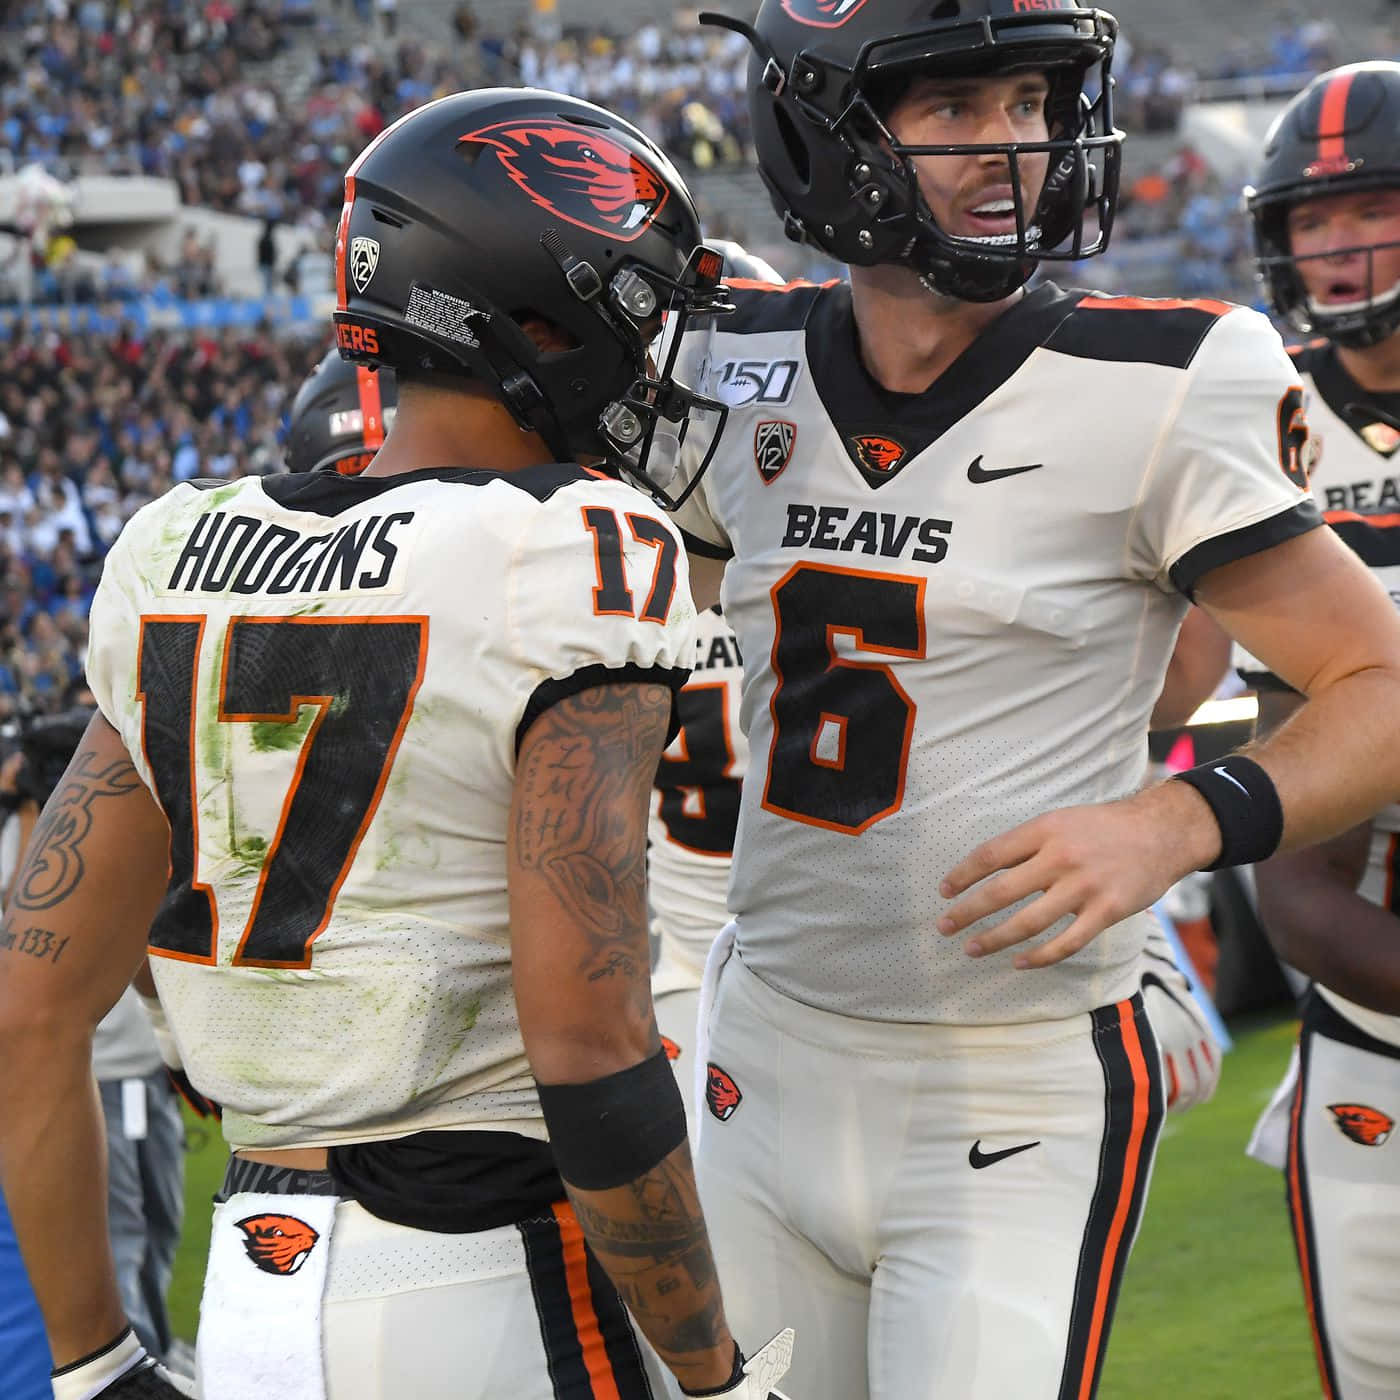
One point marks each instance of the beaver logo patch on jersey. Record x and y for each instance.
(879, 458)
(1367, 1126)
(721, 1093)
(673, 1051)
(583, 177)
(278, 1244)
(773, 442)
(822, 14)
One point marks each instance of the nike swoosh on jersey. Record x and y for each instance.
(977, 1159)
(977, 473)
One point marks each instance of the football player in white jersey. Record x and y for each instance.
(1326, 213)
(372, 770)
(961, 523)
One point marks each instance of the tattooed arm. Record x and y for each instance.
(582, 967)
(73, 934)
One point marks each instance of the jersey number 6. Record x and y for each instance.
(841, 728)
(361, 675)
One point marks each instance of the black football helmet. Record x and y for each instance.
(820, 84)
(482, 209)
(1339, 135)
(339, 417)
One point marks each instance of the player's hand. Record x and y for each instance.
(122, 1370)
(760, 1373)
(1094, 865)
(1190, 1056)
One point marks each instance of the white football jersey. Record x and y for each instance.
(695, 807)
(324, 680)
(1356, 480)
(956, 609)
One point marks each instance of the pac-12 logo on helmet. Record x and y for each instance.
(823, 14)
(278, 1244)
(1367, 1126)
(581, 176)
(721, 1093)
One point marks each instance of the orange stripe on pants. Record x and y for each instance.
(590, 1335)
(1132, 1165)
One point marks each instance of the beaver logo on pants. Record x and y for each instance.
(721, 1093)
(278, 1244)
(1368, 1126)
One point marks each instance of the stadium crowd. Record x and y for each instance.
(91, 428)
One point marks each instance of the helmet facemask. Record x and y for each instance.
(640, 434)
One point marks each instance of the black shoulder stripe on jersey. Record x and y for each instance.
(1240, 544)
(855, 401)
(550, 693)
(327, 493)
(1131, 332)
(759, 308)
(1376, 545)
(695, 545)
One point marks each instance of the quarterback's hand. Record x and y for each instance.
(1095, 865)
(758, 1376)
(122, 1370)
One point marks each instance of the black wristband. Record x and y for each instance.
(735, 1376)
(1245, 803)
(611, 1131)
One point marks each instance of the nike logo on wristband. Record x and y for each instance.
(1229, 779)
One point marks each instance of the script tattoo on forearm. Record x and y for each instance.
(53, 865)
(650, 1238)
(584, 783)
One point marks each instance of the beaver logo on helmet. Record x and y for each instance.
(721, 1093)
(1367, 1126)
(278, 1244)
(582, 176)
(822, 14)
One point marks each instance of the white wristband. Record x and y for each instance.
(84, 1380)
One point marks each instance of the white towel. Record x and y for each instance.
(719, 954)
(1269, 1142)
(260, 1321)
